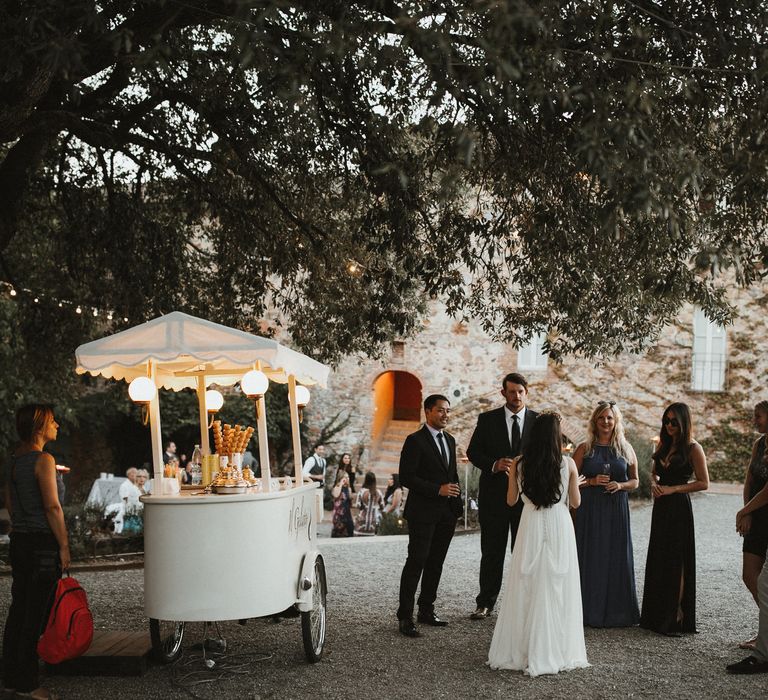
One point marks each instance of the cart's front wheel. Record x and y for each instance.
(313, 621)
(166, 637)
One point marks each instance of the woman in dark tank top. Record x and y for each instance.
(752, 519)
(39, 545)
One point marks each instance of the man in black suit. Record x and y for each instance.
(499, 436)
(428, 471)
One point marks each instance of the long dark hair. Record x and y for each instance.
(682, 412)
(395, 485)
(370, 482)
(541, 461)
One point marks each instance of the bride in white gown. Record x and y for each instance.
(539, 628)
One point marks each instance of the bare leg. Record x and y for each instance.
(751, 568)
(761, 648)
(680, 599)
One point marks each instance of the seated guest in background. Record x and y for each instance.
(129, 491)
(142, 481)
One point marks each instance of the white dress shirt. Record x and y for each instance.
(520, 421)
(435, 433)
(313, 461)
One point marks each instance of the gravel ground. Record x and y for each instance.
(365, 655)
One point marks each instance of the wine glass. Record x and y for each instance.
(607, 472)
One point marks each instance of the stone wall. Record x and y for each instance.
(460, 361)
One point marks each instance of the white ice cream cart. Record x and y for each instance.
(255, 553)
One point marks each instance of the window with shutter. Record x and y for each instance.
(530, 356)
(709, 354)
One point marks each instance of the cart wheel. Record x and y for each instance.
(166, 639)
(313, 621)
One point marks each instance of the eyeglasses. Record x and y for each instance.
(606, 403)
(671, 421)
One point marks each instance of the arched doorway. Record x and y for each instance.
(396, 396)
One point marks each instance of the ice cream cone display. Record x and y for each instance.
(218, 438)
(229, 480)
(230, 442)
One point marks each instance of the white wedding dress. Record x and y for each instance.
(539, 628)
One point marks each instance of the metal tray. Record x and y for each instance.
(224, 490)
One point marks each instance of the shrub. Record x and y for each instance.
(644, 451)
(392, 524)
(728, 452)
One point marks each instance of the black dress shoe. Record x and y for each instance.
(430, 619)
(480, 614)
(749, 665)
(409, 629)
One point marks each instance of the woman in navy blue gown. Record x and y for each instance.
(603, 533)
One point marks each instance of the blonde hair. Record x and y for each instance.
(618, 444)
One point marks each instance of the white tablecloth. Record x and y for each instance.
(104, 492)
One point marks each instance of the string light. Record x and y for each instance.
(15, 293)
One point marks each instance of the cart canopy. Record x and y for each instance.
(178, 343)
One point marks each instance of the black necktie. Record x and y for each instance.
(514, 441)
(443, 451)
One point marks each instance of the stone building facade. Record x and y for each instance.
(719, 372)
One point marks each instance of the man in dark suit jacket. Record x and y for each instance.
(428, 471)
(499, 436)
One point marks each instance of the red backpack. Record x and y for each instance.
(69, 631)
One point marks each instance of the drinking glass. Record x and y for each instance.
(607, 472)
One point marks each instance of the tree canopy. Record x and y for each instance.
(582, 167)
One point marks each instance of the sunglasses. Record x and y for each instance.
(606, 403)
(671, 421)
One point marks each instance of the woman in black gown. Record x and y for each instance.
(669, 597)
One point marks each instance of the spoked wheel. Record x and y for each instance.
(313, 621)
(166, 637)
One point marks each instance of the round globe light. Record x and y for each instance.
(213, 400)
(142, 390)
(254, 383)
(302, 395)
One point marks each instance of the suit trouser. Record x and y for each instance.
(761, 647)
(496, 526)
(427, 546)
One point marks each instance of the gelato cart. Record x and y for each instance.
(255, 548)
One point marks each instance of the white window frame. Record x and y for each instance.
(709, 354)
(530, 356)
